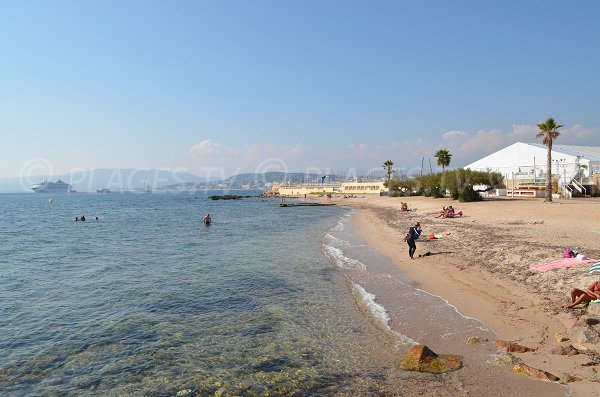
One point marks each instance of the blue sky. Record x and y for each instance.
(242, 86)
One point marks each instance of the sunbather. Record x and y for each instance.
(443, 213)
(584, 296)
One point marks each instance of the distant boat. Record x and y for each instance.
(52, 187)
(104, 190)
(147, 188)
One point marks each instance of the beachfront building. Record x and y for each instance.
(346, 188)
(575, 169)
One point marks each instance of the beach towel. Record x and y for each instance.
(434, 236)
(559, 264)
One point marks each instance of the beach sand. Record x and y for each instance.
(482, 266)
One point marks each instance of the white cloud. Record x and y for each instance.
(407, 155)
(207, 147)
(454, 135)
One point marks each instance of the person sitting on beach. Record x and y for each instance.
(207, 219)
(443, 213)
(592, 292)
(403, 207)
(450, 213)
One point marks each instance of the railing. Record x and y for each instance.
(566, 190)
(580, 188)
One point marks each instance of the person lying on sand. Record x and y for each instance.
(589, 294)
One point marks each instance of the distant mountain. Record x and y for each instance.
(114, 179)
(255, 181)
(135, 180)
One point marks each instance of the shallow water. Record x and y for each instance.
(150, 302)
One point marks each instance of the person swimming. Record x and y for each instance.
(207, 219)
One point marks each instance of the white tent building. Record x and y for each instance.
(573, 167)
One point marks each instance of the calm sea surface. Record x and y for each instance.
(266, 301)
(149, 301)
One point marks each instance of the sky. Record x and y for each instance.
(222, 87)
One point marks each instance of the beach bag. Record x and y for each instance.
(567, 253)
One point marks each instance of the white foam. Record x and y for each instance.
(378, 313)
(342, 261)
(337, 241)
(339, 226)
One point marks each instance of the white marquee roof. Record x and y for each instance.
(591, 153)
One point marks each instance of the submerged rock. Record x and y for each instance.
(421, 358)
(476, 340)
(535, 373)
(504, 360)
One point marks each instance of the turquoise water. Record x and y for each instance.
(150, 302)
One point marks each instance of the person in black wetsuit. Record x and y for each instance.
(413, 233)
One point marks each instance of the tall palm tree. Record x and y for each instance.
(387, 165)
(548, 131)
(443, 158)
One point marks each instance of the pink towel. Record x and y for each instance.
(558, 264)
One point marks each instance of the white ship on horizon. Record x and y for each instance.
(52, 187)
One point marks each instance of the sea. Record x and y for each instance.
(146, 300)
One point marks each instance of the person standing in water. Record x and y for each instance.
(207, 220)
(413, 233)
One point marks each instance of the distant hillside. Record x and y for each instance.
(255, 181)
(114, 179)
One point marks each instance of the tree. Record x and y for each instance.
(548, 131)
(387, 165)
(443, 158)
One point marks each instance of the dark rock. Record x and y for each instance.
(229, 197)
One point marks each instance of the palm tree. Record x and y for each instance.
(548, 131)
(443, 158)
(387, 165)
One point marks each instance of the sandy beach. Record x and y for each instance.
(481, 265)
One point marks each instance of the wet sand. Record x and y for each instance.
(482, 264)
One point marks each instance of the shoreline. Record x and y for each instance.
(475, 272)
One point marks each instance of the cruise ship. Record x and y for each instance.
(52, 187)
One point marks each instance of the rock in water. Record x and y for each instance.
(421, 358)
(504, 360)
(476, 340)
